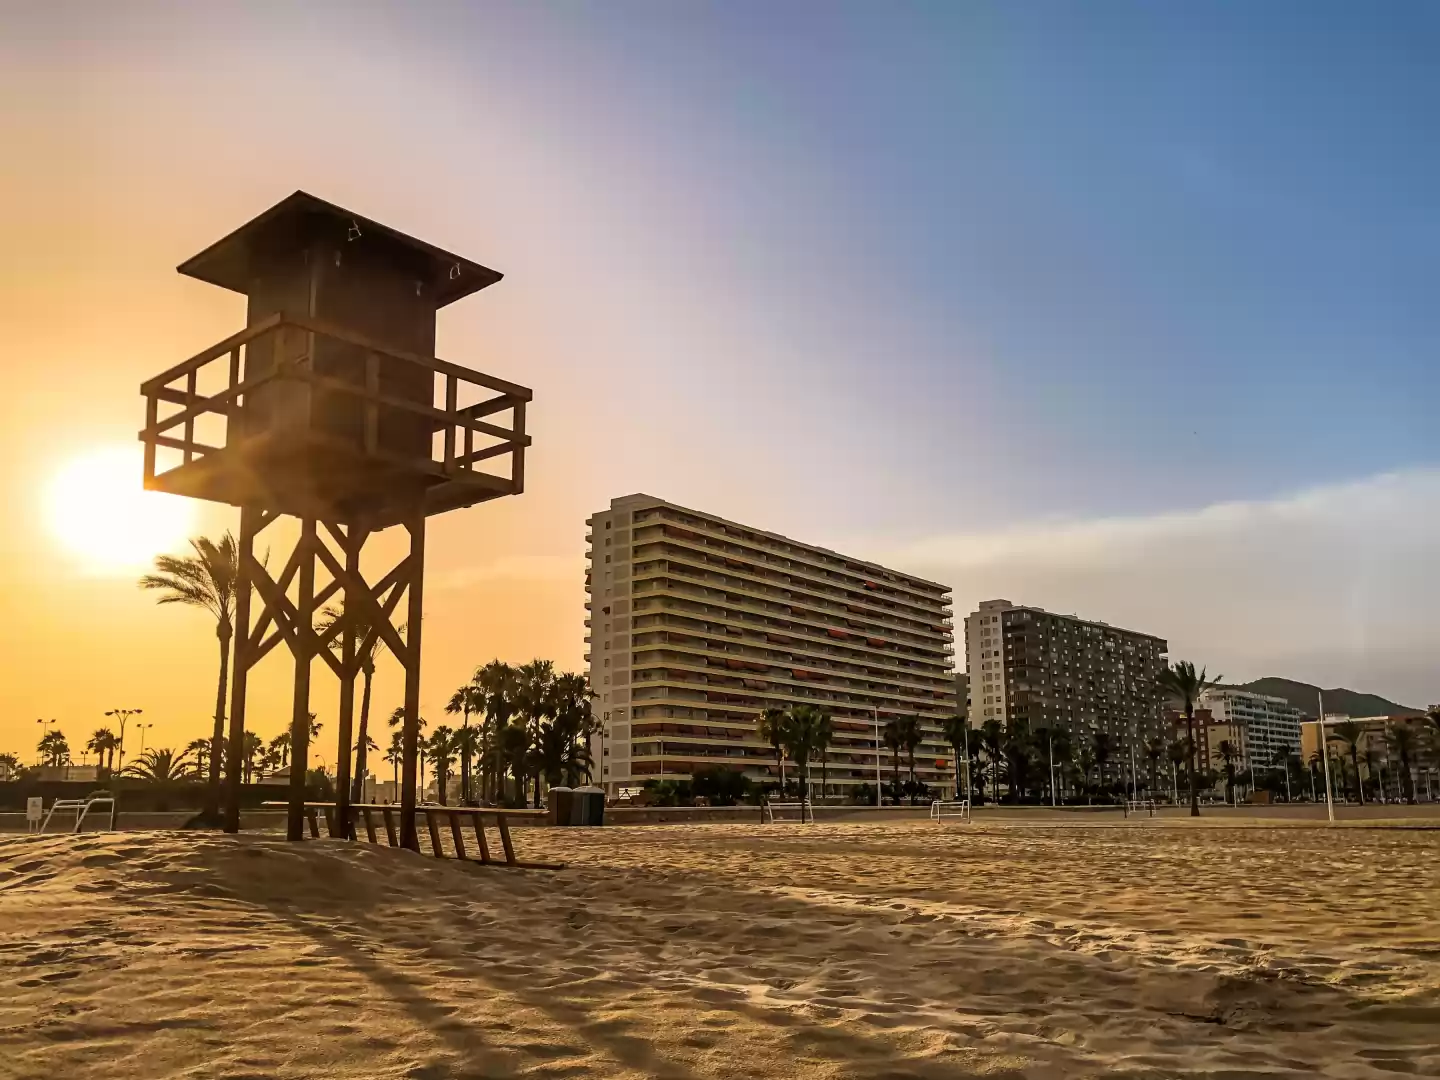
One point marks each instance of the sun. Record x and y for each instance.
(99, 510)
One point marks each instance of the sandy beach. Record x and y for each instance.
(838, 950)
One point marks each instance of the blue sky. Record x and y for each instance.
(1117, 308)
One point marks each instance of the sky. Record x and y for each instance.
(1122, 309)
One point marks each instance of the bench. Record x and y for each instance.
(437, 819)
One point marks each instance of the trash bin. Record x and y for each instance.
(589, 805)
(561, 803)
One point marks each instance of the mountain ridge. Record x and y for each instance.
(1304, 696)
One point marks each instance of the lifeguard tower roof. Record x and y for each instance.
(234, 261)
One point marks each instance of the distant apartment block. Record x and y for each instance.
(1029, 666)
(1212, 734)
(1270, 725)
(696, 624)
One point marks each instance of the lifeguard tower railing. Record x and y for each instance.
(336, 417)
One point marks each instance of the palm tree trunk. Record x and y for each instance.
(465, 763)
(1194, 748)
(357, 785)
(217, 737)
(824, 772)
(1359, 781)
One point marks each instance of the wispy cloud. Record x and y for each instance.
(530, 568)
(1335, 583)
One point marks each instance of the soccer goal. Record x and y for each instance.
(950, 808)
(1140, 806)
(772, 813)
(81, 808)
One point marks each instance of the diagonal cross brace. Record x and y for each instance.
(302, 639)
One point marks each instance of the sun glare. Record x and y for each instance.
(98, 509)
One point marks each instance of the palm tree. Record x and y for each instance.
(9, 763)
(366, 659)
(566, 739)
(1401, 738)
(1154, 751)
(102, 744)
(1086, 760)
(1179, 753)
(205, 580)
(280, 746)
(1352, 733)
(824, 736)
(159, 766)
(894, 743)
(467, 743)
(1101, 742)
(53, 748)
(441, 749)
(1228, 754)
(498, 685)
(1061, 751)
(200, 749)
(251, 750)
(397, 721)
(534, 701)
(771, 725)
(992, 741)
(802, 733)
(957, 734)
(1182, 683)
(470, 698)
(514, 744)
(396, 753)
(910, 737)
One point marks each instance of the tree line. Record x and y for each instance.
(519, 727)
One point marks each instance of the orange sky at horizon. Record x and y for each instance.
(147, 140)
(122, 179)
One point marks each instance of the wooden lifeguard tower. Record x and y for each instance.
(331, 407)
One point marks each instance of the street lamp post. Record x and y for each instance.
(1325, 754)
(876, 712)
(141, 728)
(44, 731)
(124, 716)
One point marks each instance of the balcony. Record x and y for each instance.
(326, 422)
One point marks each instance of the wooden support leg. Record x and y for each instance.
(235, 758)
(300, 714)
(330, 827)
(411, 660)
(390, 828)
(505, 840)
(455, 835)
(314, 820)
(435, 848)
(369, 825)
(353, 538)
(480, 838)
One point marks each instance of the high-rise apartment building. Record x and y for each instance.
(1270, 724)
(1029, 666)
(696, 624)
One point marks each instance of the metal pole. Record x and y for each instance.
(968, 787)
(1050, 739)
(1325, 754)
(300, 698)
